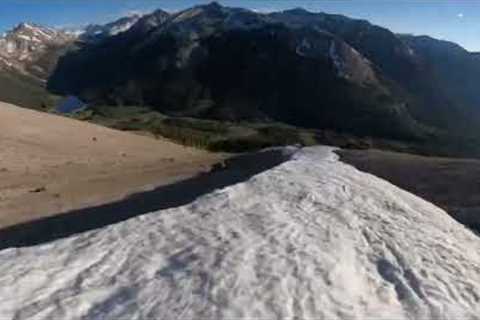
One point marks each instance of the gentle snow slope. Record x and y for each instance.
(312, 238)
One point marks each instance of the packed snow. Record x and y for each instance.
(312, 238)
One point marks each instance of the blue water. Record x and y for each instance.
(71, 104)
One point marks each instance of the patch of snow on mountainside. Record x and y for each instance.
(311, 238)
(98, 32)
(116, 29)
(336, 59)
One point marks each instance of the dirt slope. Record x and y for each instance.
(51, 164)
(452, 184)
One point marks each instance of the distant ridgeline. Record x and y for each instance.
(311, 70)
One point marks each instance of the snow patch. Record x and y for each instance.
(337, 60)
(122, 28)
(311, 238)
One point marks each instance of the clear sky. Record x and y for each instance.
(454, 20)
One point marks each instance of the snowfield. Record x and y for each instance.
(312, 238)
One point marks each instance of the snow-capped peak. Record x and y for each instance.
(26, 42)
(26, 34)
(35, 32)
(98, 32)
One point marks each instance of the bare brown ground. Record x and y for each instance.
(51, 164)
(452, 184)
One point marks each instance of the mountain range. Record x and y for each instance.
(313, 70)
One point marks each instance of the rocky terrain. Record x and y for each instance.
(98, 32)
(28, 55)
(26, 48)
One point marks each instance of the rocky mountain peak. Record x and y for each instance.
(26, 43)
(297, 11)
(97, 32)
(29, 37)
(150, 21)
(33, 33)
(214, 5)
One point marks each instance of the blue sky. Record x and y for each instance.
(455, 20)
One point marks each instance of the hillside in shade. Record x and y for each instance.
(308, 69)
(233, 64)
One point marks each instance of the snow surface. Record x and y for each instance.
(312, 238)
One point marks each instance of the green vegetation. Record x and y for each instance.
(225, 136)
(230, 137)
(211, 134)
